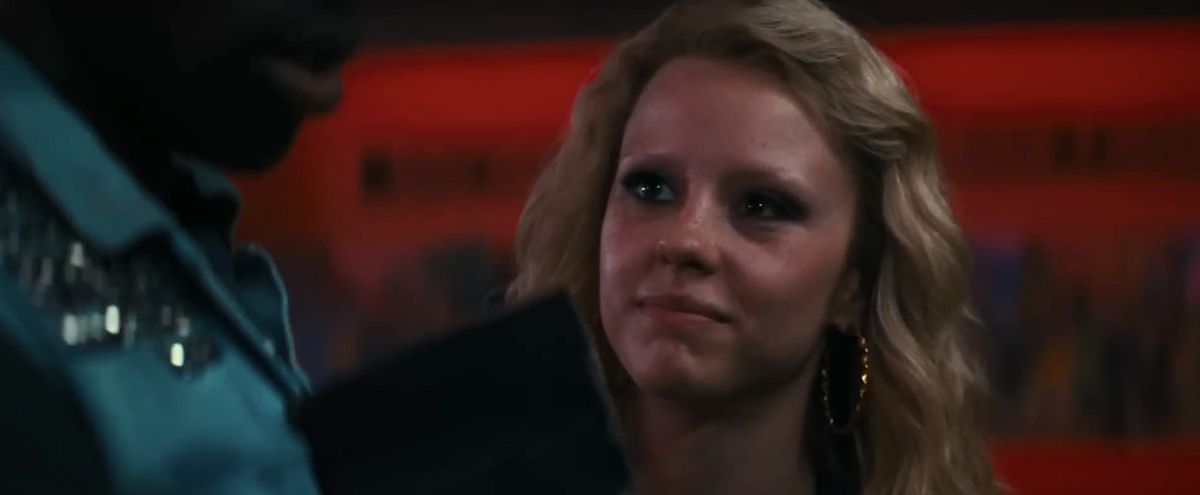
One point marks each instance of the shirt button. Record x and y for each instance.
(268, 346)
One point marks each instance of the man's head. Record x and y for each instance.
(228, 81)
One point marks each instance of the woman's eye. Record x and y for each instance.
(649, 187)
(771, 207)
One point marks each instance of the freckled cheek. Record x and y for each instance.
(614, 269)
(626, 255)
(626, 244)
(789, 293)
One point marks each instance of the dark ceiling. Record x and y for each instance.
(409, 21)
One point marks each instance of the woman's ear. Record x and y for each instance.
(846, 307)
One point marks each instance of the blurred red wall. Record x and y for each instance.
(980, 85)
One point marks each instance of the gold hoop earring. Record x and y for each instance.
(837, 343)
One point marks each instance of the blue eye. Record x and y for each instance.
(649, 187)
(772, 207)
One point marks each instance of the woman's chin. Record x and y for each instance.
(677, 380)
(673, 370)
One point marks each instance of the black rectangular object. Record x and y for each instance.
(512, 405)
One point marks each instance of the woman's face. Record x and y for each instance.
(725, 235)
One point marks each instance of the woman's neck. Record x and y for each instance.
(754, 448)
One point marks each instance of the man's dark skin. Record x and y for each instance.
(226, 81)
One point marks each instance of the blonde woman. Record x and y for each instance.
(749, 211)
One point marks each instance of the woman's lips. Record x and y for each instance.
(682, 308)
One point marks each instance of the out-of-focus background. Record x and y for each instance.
(1070, 133)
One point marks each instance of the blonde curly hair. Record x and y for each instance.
(921, 428)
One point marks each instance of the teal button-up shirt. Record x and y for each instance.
(120, 418)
